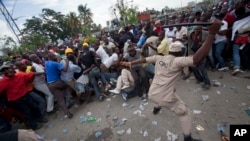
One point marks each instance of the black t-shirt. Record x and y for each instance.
(88, 58)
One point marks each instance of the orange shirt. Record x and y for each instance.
(16, 87)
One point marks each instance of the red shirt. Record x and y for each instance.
(16, 87)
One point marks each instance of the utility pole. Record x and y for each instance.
(10, 21)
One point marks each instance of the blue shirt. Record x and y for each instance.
(53, 70)
(141, 41)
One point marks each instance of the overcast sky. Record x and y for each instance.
(23, 9)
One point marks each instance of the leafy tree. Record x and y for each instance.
(73, 23)
(85, 14)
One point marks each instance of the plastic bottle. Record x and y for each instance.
(91, 119)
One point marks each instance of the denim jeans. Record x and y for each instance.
(149, 71)
(200, 72)
(218, 48)
(211, 57)
(236, 56)
(94, 76)
(106, 76)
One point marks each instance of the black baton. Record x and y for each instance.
(188, 24)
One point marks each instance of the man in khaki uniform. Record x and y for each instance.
(167, 72)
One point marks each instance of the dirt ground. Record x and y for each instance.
(119, 120)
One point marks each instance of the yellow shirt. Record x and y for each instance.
(163, 47)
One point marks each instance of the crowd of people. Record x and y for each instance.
(144, 60)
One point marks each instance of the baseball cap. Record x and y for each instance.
(175, 47)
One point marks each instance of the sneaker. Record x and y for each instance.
(68, 115)
(207, 86)
(125, 87)
(124, 96)
(235, 71)
(223, 69)
(156, 110)
(114, 91)
(101, 98)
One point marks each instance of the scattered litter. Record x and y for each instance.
(55, 139)
(108, 99)
(243, 104)
(128, 131)
(137, 112)
(221, 128)
(216, 83)
(205, 97)
(99, 120)
(199, 128)
(98, 134)
(91, 119)
(171, 136)
(89, 113)
(82, 119)
(122, 122)
(124, 104)
(141, 107)
(65, 131)
(197, 112)
(248, 87)
(218, 92)
(158, 139)
(42, 137)
(145, 133)
(234, 89)
(145, 103)
(120, 132)
(130, 106)
(154, 123)
(124, 119)
(115, 118)
(198, 89)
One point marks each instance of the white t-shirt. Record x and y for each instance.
(103, 54)
(155, 41)
(39, 79)
(179, 34)
(219, 38)
(170, 34)
(111, 60)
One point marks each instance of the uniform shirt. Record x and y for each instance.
(53, 70)
(167, 71)
(16, 87)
